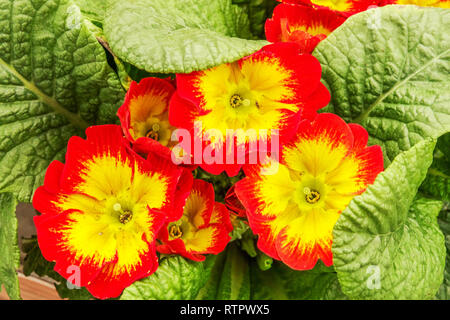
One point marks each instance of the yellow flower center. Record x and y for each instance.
(311, 192)
(237, 101)
(245, 95)
(125, 216)
(153, 132)
(175, 231)
(311, 196)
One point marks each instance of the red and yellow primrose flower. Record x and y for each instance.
(270, 89)
(203, 228)
(293, 211)
(101, 211)
(306, 26)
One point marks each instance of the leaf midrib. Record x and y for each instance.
(73, 118)
(380, 99)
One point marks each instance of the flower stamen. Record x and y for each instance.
(125, 216)
(311, 196)
(153, 133)
(175, 232)
(236, 101)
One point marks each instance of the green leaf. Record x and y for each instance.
(73, 293)
(387, 243)
(176, 279)
(444, 223)
(9, 250)
(443, 145)
(209, 290)
(138, 74)
(235, 278)
(437, 182)
(54, 82)
(168, 36)
(282, 283)
(93, 10)
(229, 278)
(388, 69)
(34, 261)
(258, 12)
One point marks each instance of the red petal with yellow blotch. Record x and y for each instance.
(53, 244)
(144, 114)
(182, 113)
(102, 210)
(306, 26)
(114, 277)
(203, 229)
(294, 210)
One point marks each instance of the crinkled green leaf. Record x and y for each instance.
(93, 10)
(176, 279)
(444, 223)
(387, 243)
(9, 250)
(178, 35)
(258, 11)
(54, 82)
(389, 70)
(281, 283)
